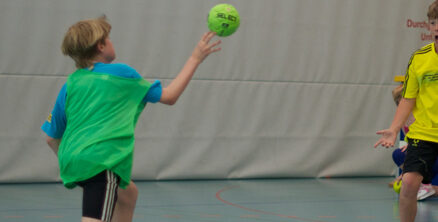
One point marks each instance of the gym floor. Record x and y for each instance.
(311, 200)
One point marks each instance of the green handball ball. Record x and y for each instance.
(223, 19)
(397, 186)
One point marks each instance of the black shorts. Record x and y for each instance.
(100, 195)
(420, 157)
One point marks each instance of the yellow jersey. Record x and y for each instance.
(421, 83)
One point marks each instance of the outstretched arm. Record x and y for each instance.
(53, 143)
(388, 136)
(172, 92)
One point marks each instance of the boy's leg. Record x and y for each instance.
(125, 205)
(417, 169)
(89, 219)
(99, 196)
(408, 196)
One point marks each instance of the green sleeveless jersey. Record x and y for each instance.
(102, 111)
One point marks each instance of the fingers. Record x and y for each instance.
(212, 46)
(380, 141)
(387, 138)
(215, 43)
(383, 143)
(215, 50)
(377, 144)
(203, 49)
(208, 36)
(381, 132)
(204, 36)
(388, 144)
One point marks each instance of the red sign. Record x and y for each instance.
(425, 35)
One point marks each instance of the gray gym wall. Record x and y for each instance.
(298, 91)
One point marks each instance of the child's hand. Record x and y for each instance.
(403, 148)
(387, 139)
(203, 49)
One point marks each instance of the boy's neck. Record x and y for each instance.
(96, 60)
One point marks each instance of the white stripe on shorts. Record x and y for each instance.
(110, 193)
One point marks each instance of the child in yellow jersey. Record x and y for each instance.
(399, 154)
(420, 96)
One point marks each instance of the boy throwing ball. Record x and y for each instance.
(91, 128)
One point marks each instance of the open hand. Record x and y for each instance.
(204, 47)
(387, 138)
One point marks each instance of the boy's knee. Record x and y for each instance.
(129, 195)
(133, 191)
(410, 184)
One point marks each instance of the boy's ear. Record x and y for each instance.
(100, 46)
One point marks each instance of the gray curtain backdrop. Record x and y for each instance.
(298, 91)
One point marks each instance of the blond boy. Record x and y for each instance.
(91, 127)
(420, 96)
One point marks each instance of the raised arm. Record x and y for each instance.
(172, 92)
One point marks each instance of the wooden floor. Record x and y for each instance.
(311, 200)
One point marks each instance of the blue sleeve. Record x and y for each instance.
(55, 124)
(154, 93)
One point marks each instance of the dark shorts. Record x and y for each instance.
(420, 157)
(100, 195)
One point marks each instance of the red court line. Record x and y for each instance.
(218, 196)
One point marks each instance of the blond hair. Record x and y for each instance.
(432, 13)
(80, 41)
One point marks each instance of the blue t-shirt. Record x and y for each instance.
(56, 123)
